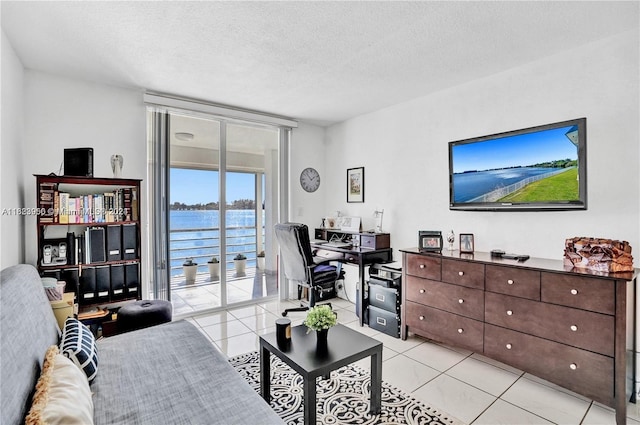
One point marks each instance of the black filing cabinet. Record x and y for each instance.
(384, 299)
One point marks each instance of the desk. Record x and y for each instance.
(355, 255)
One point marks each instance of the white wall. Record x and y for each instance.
(404, 151)
(11, 156)
(308, 150)
(63, 113)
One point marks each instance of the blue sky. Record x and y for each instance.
(201, 186)
(524, 149)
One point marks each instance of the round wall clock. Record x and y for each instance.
(310, 179)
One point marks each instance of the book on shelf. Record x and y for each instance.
(108, 207)
(63, 212)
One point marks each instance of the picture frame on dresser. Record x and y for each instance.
(430, 241)
(467, 243)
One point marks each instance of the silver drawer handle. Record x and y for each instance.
(422, 266)
(573, 366)
(574, 328)
(460, 273)
(460, 330)
(421, 317)
(574, 291)
(510, 281)
(508, 346)
(422, 291)
(460, 300)
(509, 312)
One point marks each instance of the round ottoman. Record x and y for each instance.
(142, 314)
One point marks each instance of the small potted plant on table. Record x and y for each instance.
(240, 263)
(214, 268)
(190, 269)
(320, 319)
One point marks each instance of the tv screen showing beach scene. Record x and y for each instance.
(541, 167)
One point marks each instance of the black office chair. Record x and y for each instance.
(300, 267)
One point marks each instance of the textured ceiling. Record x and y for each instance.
(320, 62)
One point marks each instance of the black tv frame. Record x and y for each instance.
(581, 204)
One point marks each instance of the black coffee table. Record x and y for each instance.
(345, 346)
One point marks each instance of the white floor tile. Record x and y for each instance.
(247, 311)
(240, 344)
(435, 356)
(225, 330)
(407, 374)
(260, 321)
(365, 330)
(503, 413)
(213, 318)
(455, 397)
(549, 403)
(482, 375)
(397, 344)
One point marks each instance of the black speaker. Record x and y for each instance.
(78, 162)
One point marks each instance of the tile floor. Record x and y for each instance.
(469, 386)
(188, 299)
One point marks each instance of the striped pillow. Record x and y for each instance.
(79, 345)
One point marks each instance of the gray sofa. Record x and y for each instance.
(167, 374)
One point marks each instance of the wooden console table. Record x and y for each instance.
(563, 324)
(371, 248)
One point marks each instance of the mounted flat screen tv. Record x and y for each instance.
(537, 168)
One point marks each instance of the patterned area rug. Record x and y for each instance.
(342, 399)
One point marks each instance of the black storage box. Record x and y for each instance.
(384, 298)
(384, 321)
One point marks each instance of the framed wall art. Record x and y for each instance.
(466, 242)
(430, 241)
(355, 184)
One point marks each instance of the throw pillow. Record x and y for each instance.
(79, 345)
(62, 395)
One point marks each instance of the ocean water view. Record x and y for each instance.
(471, 185)
(196, 234)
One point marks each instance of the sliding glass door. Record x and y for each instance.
(222, 198)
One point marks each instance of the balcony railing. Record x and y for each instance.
(201, 244)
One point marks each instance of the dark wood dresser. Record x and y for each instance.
(569, 326)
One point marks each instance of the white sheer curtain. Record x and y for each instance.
(158, 211)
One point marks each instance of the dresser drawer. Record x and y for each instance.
(577, 291)
(444, 296)
(513, 281)
(579, 328)
(445, 327)
(579, 370)
(423, 266)
(463, 273)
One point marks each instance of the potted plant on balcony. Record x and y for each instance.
(260, 258)
(240, 263)
(214, 268)
(190, 269)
